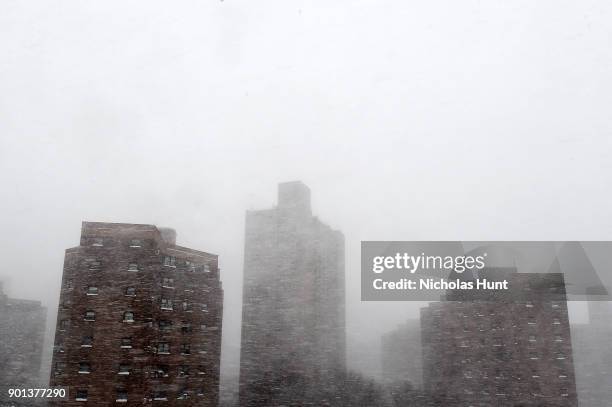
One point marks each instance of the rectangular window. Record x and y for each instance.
(87, 341)
(185, 349)
(84, 368)
(186, 306)
(126, 343)
(186, 327)
(128, 316)
(163, 348)
(205, 307)
(95, 265)
(183, 371)
(60, 367)
(135, 243)
(170, 261)
(133, 267)
(122, 396)
(165, 326)
(160, 371)
(124, 369)
(81, 395)
(168, 282)
(207, 268)
(160, 395)
(98, 242)
(64, 324)
(166, 304)
(92, 290)
(90, 316)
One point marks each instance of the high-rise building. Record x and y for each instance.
(401, 355)
(511, 350)
(293, 323)
(139, 319)
(593, 356)
(22, 332)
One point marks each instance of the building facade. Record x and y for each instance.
(293, 323)
(593, 356)
(22, 333)
(139, 320)
(512, 350)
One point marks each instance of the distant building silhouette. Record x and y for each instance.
(511, 350)
(22, 332)
(139, 319)
(293, 323)
(401, 355)
(593, 356)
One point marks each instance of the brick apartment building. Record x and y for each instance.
(293, 323)
(22, 333)
(512, 350)
(139, 320)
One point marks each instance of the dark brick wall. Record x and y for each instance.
(103, 261)
(501, 353)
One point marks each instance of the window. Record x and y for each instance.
(168, 283)
(81, 395)
(529, 304)
(165, 326)
(535, 374)
(163, 348)
(133, 267)
(69, 284)
(126, 343)
(130, 291)
(135, 243)
(186, 327)
(533, 355)
(564, 392)
(92, 290)
(558, 338)
(205, 307)
(160, 395)
(531, 320)
(160, 371)
(128, 316)
(97, 241)
(90, 316)
(170, 261)
(556, 321)
(87, 341)
(186, 306)
(183, 371)
(185, 349)
(122, 396)
(201, 370)
(183, 394)
(84, 368)
(59, 368)
(64, 324)
(559, 355)
(94, 265)
(124, 369)
(166, 304)
(58, 348)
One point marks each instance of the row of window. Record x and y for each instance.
(128, 316)
(158, 395)
(125, 369)
(134, 243)
(169, 261)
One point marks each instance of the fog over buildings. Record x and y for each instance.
(408, 121)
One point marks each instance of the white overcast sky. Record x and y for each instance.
(409, 120)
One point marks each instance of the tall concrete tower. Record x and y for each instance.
(293, 322)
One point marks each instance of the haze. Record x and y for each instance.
(437, 120)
